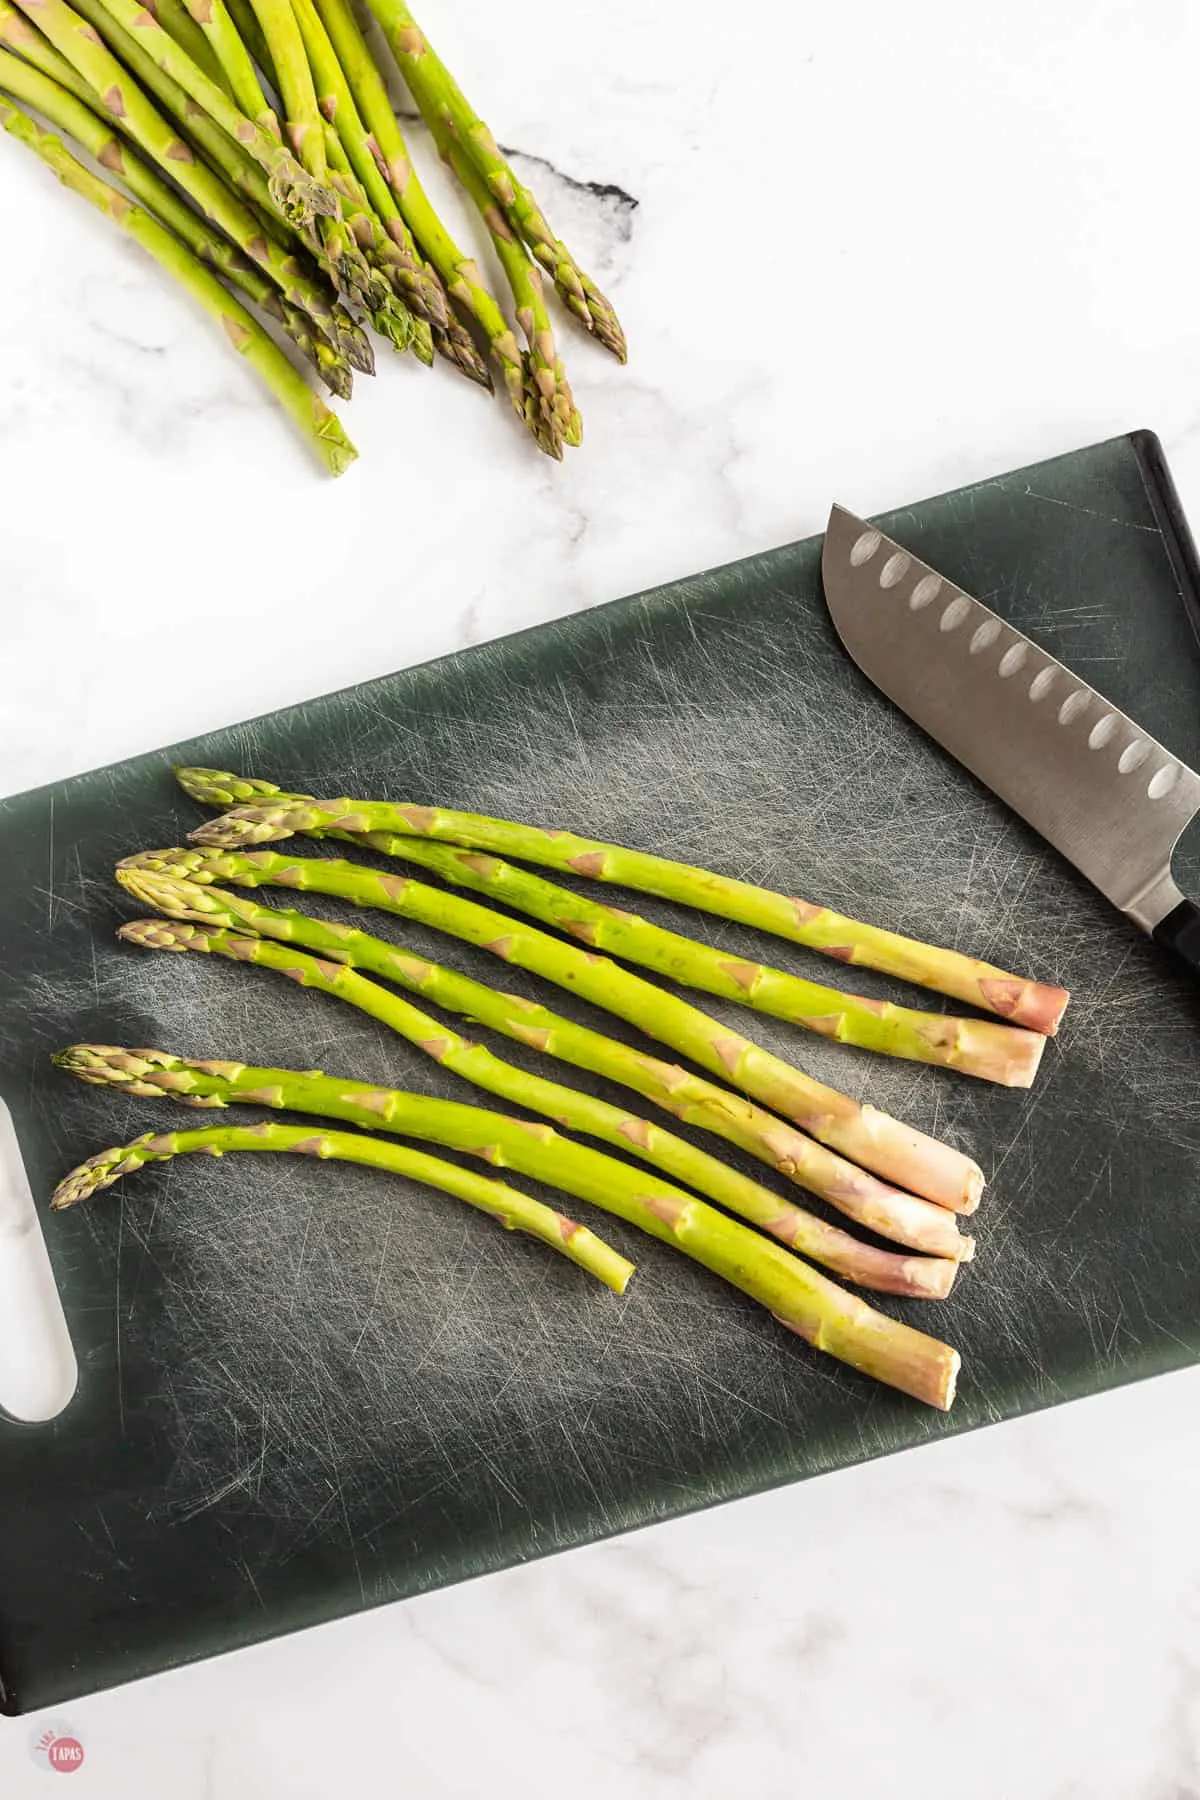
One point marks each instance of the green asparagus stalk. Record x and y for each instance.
(224, 46)
(19, 36)
(335, 104)
(297, 196)
(686, 1096)
(226, 156)
(311, 415)
(445, 108)
(175, 17)
(123, 99)
(457, 270)
(61, 109)
(550, 410)
(919, 1277)
(803, 1300)
(245, 22)
(390, 314)
(1016, 999)
(215, 43)
(514, 1210)
(897, 1152)
(992, 1052)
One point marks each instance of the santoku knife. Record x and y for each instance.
(1091, 781)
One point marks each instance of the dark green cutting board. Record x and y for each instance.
(306, 1389)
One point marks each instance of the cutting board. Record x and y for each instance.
(307, 1389)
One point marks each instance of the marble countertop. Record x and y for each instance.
(859, 252)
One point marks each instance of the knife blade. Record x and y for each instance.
(1105, 793)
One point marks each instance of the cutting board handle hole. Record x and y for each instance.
(38, 1370)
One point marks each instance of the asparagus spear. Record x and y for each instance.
(123, 99)
(550, 410)
(897, 1152)
(444, 107)
(919, 1277)
(63, 110)
(225, 48)
(391, 314)
(311, 415)
(948, 972)
(309, 133)
(803, 1300)
(457, 270)
(298, 197)
(514, 1210)
(1000, 1053)
(225, 155)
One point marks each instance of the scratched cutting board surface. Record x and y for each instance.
(307, 1389)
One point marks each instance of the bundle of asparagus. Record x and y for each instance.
(881, 1144)
(254, 152)
(884, 1175)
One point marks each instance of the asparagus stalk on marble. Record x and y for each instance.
(877, 1142)
(1013, 997)
(510, 1208)
(801, 1298)
(411, 275)
(449, 114)
(320, 426)
(919, 1277)
(550, 410)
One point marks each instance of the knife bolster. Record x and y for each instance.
(1180, 933)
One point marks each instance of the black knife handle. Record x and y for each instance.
(1180, 932)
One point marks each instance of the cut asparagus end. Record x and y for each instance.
(1036, 1005)
(1005, 1054)
(896, 1354)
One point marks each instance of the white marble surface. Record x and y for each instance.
(876, 252)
